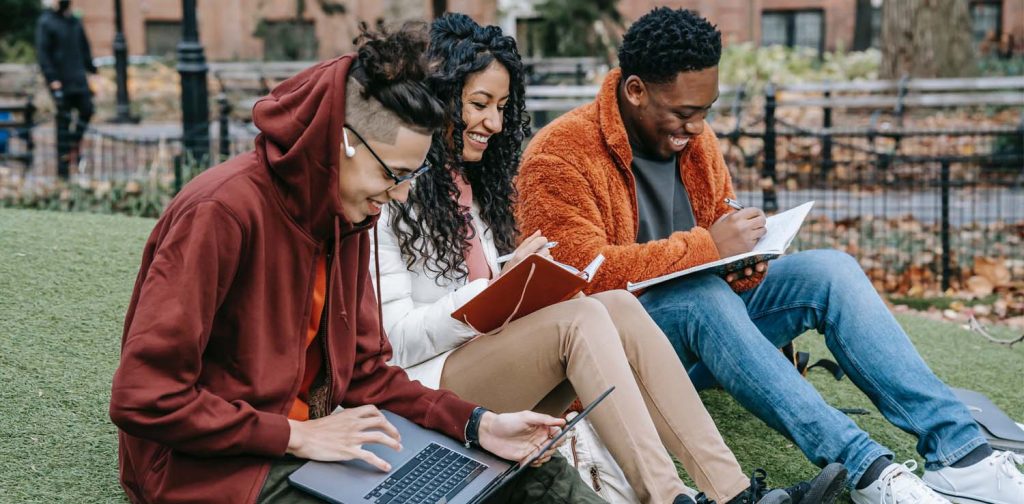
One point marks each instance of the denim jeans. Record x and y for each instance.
(737, 336)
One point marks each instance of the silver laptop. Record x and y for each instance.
(431, 468)
(1001, 432)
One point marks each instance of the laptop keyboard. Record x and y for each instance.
(434, 475)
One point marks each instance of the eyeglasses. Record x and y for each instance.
(397, 179)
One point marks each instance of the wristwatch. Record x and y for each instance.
(473, 427)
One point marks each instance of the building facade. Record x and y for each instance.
(233, 30)
(317, 29)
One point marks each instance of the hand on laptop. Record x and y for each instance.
(341, 436)
(737, 232)
(517, 436)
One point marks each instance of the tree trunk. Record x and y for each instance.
(926, 38)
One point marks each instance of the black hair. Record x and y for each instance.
(393, 68)
(665, 42)
(430, 226)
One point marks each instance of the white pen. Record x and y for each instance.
(507, 257)
(733, 203)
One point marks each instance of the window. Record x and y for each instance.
(162, 38)
(986, 20)
(794, 28)
(292, 40)
(876, 26)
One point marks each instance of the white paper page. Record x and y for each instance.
(782, 228)
(591, 269)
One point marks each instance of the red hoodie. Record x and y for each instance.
(214, 343)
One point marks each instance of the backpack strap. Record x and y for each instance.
(801, 360)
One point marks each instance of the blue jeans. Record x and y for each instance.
(737, 336)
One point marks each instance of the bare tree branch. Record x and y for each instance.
(976, 326)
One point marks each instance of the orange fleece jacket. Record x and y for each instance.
(576, 185)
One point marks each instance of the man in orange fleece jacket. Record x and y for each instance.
(637, 176)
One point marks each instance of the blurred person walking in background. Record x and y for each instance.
(64, 58)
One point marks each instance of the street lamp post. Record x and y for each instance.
(195, 108)
(121, 67)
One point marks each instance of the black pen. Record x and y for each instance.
(733, 203)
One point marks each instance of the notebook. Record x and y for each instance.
(782, 228)
(536, 282)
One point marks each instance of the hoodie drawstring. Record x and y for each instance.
(337, 250)
(380, 302)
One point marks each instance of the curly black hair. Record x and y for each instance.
(665, 42)
(430, 226)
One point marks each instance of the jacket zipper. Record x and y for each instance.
(595, 478)
(321, 334)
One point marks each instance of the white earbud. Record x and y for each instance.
(349, 150)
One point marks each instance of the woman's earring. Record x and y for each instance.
(349, 150)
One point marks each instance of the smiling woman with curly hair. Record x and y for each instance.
(440, 248)
(464, 50)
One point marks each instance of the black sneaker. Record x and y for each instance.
(683, 499)
(757, 493)
(823, 489)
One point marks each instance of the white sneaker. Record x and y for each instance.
(994, 480)
(898, 485)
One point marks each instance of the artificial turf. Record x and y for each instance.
(65, 281)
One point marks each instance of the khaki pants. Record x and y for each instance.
(583, 346)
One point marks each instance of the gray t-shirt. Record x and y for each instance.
(661, 198)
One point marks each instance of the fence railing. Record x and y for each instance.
(915, 205)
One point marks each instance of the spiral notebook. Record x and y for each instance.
(536, 282)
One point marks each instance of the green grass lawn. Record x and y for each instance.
(65, 281)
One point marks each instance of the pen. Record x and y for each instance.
(507, 257)
(733, 203)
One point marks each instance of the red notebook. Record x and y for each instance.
(534, 283)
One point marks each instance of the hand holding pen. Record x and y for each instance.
(737, 232)
(536, 243)
(508, 257)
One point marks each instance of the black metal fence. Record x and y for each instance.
(125, 153)
(917, 207)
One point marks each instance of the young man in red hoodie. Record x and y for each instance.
(254, 315)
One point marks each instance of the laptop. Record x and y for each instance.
(431, 468)
(1001, 432)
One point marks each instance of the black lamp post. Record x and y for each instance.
(121, 67)
(195, 108)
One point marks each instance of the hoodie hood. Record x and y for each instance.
(300, 125)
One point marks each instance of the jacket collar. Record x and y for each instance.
(613, 129)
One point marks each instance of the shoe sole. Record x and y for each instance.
(826, 486)
(957, 499)
(776, 497)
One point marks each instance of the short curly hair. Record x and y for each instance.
(665, 42)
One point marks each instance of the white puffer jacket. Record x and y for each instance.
(418, 322)
(417, 309)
